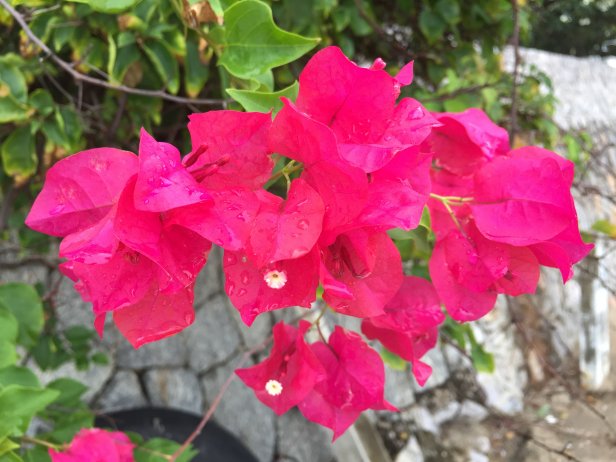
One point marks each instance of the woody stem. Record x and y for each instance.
(286, 171)
(29, 439)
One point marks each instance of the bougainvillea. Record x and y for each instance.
(357, 162)
(95, 445)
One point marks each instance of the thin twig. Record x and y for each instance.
(376, 27)
(515, 40)
(458, 92)
(210, 412)
(7, 205)
(79, 77)
(49, 262)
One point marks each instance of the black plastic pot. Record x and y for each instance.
(215, 444)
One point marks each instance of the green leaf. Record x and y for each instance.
(12, 82)
(37, 454)
(256, 101)
(11, 110)
(425, 219)
(100, 358)
(8, 325)
(18, 153)
(7, 445)
(17, 375)
(431, 25)
(8, 354)
(41, 100)
(605, 227)
(67, 425)
(25, 304)
(70, 391)
(144, 453)
(393, 361)
(482, 360)
(108, 6)
(262, 82)
(253, 44)
(11, 457)
(455, 331)
(164, 63)
(196, 73)
(123, 59)
(449, 10)
(18, 404)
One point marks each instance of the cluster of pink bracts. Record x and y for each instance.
(137, 230)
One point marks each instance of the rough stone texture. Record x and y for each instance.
(261, 328)
(211, 279)
(31, 274)
(213, 337)
(440, 370)
(301, 440)
(240, 412)
(466, 443)
(411, 452)
(504, 387)
(122, 392)
(171, 351)
(70, 308)
(399, 387)
(175, 388)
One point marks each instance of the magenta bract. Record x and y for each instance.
(358, 162)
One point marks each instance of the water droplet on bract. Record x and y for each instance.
(241, 292)
(472, 256)
(57, 209)
(303, 224)
(146, 201)
(187, 274)
(298, 252)
(230, 259)
(244, 277)
(241, 216)
(230, 288)
(418, 113)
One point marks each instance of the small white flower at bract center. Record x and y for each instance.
(275, 279)
(273, 387)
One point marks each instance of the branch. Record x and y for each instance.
(513, 127)
(210, 412)
(79, 77)
(379, 30)
(459, 91)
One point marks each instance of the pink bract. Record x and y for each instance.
(466, 140)
(230, 149)
(366, 265)
(291, 363)
(247, 287)
(80, 190)
(95, 445)
(355, 382)
(409, 326)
